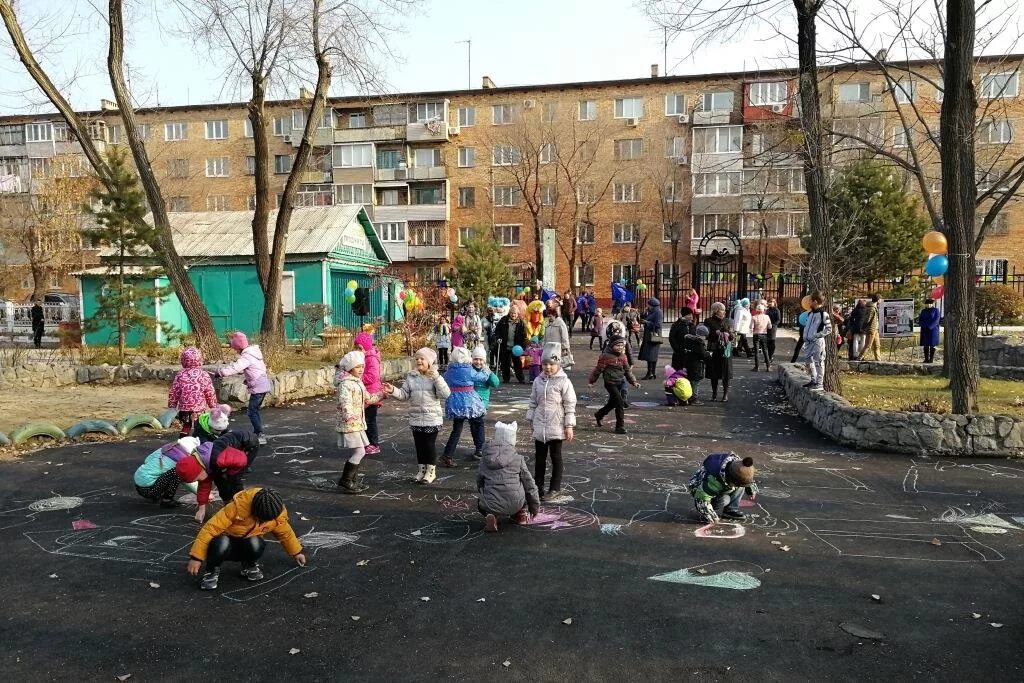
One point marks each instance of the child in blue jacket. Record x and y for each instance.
(464, 403)
(718, 486)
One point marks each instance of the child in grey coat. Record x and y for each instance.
(504, 483)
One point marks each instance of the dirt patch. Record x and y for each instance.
(67, 405)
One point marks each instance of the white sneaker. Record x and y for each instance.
(262, 439)
(430, 475)
(419, 474)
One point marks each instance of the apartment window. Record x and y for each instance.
(327, 118)
(282, 163)
(502, 114)
(113, 134)
(389, 197)
(866, 128)
(584, 274)
(548, 195)
(623, 271)
(247, 128)
(550, 112)
(177, 130)
(716, 101)
(427, 111)
(465, 235)
(675, 105)
(298, 119)
(675, 147)
(427, 233)
(39, 167)
(467, 197)
(904, 91)
(61, 133)
(389, 158)
(217, 167)
(250, 202)
(768, 93)
(391, 232)
(585, 232)
(547, 153)
(855, 92)
(629, 149)
(357, 120)
(629, 107)
(217, 130)
(282, 125)
(467, 157)
(467, 116)
(899, 137)
(990, 267)
(675, 191)
(354, 194)
(716, 183)
(179, 204)
(217, 203)
(12, 135)
(797, 181)
(507, 235)
(626, 192)
(999, 85)
(587, 110)
(177, 168)
(427, 158)
(588, 150)
(624, 233)
(431, 195)
(250, 165)
(39, 132)
(705, 223)
(352, 156)
(504, 155)
(506, 195)
(718, 140)
(586, 194)
(144, 131)
(997, 132)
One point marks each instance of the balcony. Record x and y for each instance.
(426, 173)
(774, 202)
(434, 130)
(371, 134)
(387, 175)
(315, 177)
(716, 162)
(322, 137)
(410, 212)
(711, 118)
(702, 204)
(428, 252)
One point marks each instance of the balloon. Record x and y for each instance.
(934, 242)
(937, 292)
(351, 298)
(454, 299)
(526, 290)
(352, 284)
(803, 317)
(937, 265)
(349, 291)
(535, 339)
(402, 295)
(517, 350)
(641, 287)
(805, 303)
(639, 282)
(451, 292)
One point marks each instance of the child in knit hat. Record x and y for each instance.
(718, 486)
(352, 401)
(552, 412)
(371, 380)
(192, 390)
(212, 423)
(464, 402)
(533, 354)
(157, 479)
(424, 389)
(613, 368)
(503, 481)
(250, 364)
(219, 463)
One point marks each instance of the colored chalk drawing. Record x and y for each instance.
(720, 530)
(730, 574)
(558, 518)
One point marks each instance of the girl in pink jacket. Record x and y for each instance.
(371, 380)
(250, 362)
(192, 390)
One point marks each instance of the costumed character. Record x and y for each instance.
(534, 320)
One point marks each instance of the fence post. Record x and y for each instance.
(1004, 269)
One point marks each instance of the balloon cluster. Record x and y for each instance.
(411, 301)
(934, 242)
(640, 286)
(452, 296)
(350, 291)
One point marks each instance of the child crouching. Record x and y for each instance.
(212, 423)
(672, 377)
(504, 483)
(718, 486)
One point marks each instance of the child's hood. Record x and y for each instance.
(498, 456)
(254, 351)
(191, 358)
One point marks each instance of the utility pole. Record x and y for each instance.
(469, 62)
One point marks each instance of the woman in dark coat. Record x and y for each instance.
(928, 320)
(677, 337)
(651, 343)
(719, 367)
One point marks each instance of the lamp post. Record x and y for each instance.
(674, 230)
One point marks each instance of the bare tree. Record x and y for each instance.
(671, 179)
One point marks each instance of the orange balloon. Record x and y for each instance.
(805, 303)
(934, 242)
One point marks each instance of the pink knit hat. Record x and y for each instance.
(238, 341)
(364, 340)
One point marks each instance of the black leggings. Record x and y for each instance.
(164, 488)
(742, 343)
(614, 403)
(230, 549)
(371, 425)
(509, 364)
(187, 420)
(771, 348)
(541, 451)
(761, 342)
(228, 485)
(426, 446)
(442, 357)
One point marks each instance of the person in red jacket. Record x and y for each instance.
(371, 380)
(221, 462)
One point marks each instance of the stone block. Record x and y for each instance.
(981, 425)
(1015, 437)
(984, 445)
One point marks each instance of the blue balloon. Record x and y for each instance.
(349, 291)
(803, 318)
(517, 350)
(936, 266)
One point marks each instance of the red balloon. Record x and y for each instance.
(938, 292)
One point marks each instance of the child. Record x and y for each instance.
(718, 486)
(212, 423)
(533, 356)
(464, 402)
(503, 482)
(696, 348)
(250, 362)
(156, 479)
(671, 376)
(424, 389)
(617, 328)
(760, 323)
(458, 327)
(596, 327)
(192, 390)
(221, 462)
(371, 380)
(352, 400)
(613, 367)
(235, 534)
(483, 390)
(553, 414)
(631, 320)
(443, 341)
(817, 329)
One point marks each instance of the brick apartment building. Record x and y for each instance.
(611, 175)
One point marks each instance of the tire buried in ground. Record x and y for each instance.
(92, 427)
(135, 421)
(33, 429)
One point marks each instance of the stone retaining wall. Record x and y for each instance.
(902, 432)
(996, 351)
(879, 368)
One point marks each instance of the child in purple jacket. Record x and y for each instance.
(250, 362)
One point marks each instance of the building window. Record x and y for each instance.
(584, 232)
(939, 88)
(428, 275)
(547, 153)
(352, 156)
(250, 202)
(629, 108)
(389, 197)
(855, 92)
(588, 150)
(504, 155)
(705, 223)
(507, 235)
(716, 183)
(250, 165)
(354, 194)
(113, 134)
(282, 125)
(624, 233)
(427, 234)
(587, 110)
(467, 116)
(586, 194)
(584, 274)
(427, 158)
(389, 158)
(990, 267)
(61, 133)
(716, 101)
(390, 114)
(899, 137)
(327, 118)
(629, 149)
(675, 105)
(506, 195)
(675, 147)
(12, 135)
(144, 131)
(428, 111)
(675, 191)
(904, 91)
(247, 128)
(467, 157)
(39, 167)
(178, 204)
(39, 132)
(623, 271)
(430, 195)
(718, 140)
(502, 114)
(177, 130)
(997, 132)
(177, 168)
(766, 94)
(467, 197)
(357, 120)
(626, 192)
(999, 85)
(282, 163)
(217, 167)
(550, 112)
(465, 235)
(391, 232)
(314, 195)
(298, 120)
(217, 130)
(217, 203)
(548, 195)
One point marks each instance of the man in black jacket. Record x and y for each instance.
(775, 315)
(509, 333)
(855, 329)
(38, 324)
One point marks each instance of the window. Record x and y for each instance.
(588, 150)
(855, 92)
(716, 101)
(504, 155)
(250, 165)
(718, 140)
(287, 292)
(999, 85)
(675, 191)
(144, 131)
(624, 233)
(428, 274)
(113, 134)
(548, 195)
(39, 167)
(217, 167)
(298, 119)
(768, 93)
(389, 158)
(427, 233)
(669, 273)
(389, 197)
(623, 271)
(904, 91)
(506, 195)
(427, 158)
(314, 195)
(467, 116)
(997, 132)
(431, 195)
(250, 202)
(675, 105)
(217, 203)
(54, 281)
(705, 223)
(327, 118)
(716, 183)
(629, 108)
(585, 232)
(584, 274)
(899, 137)
(990, 267)
(467, 197)
(357, 120)
(586, 194)
(217, 130)
(39, 132)
(354, 194)
(282, 125)
(587, 110)
(666, 233)
(352, 156)
(177, 130)
(177, 168)
(12, 135)
(467, 157)
(282, 163)
(502, 114)
(391, 232)
(178, 204)
(626, 192)
(547, 153)
(550, 112)
(427, 111)
(629, 149)
(675, 147)
(465, 235)
(867, 128)
(507, 235)
(61, 133)
(247, 128)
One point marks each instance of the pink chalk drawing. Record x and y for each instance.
(559, 517)
(80, 524)
(454, 505)
(747, 503)
(720, 530)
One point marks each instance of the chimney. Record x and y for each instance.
(654, 70)
(305, 93)
(488, 84)
(108, 105)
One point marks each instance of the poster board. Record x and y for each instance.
(896, 318)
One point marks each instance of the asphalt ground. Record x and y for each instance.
(851, 566)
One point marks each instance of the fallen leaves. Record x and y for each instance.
(354, 617)
(784, 548)
(425, 599)
(481, 599)
(154, 584)
(123, 677)
(362, 563)
(936, 542)
(995, 625)
(507, 663)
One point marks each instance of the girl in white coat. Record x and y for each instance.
(552, 412)
(425, 390)
(741, 323)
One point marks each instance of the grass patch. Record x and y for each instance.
(908, 392)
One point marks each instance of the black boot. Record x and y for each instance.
(348, 482)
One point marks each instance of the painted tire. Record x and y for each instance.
(167, 417)
(135, 421)
(32, 429)
(4, 440)
(91, 426)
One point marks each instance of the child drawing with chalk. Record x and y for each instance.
(212, 423)
(504, 485)
(718, 486)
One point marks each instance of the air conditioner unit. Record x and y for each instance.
(778, 108)
(287, 139)
(683, 160)
(684, 118)
(632, 122)
(529, 104)
(401, 173)
(454, 130)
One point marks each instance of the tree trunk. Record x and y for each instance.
(538, 247)
(959, 193)
(261, 150)
(38, 281)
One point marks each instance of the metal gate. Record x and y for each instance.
(719, 273)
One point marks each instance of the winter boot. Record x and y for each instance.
(419, 474)
(429, 475)
(490, 523)
(349, 483)
(210, 580)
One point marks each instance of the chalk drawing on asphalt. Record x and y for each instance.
(730, 574)
(120, 544)
(829, 483)
(267, 586)
(723, 530)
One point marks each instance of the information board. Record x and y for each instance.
(896, 318)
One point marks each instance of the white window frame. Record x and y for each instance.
(217, 202)
(585, 232)
(633, 152)
(250, 165)
(675, 191)
(217, 167)
(940, 85)
(585, 194)
(550, 112)
(629, 107)
(282, 126)
(505, 155)
(114, 132)
(358, 120)
(288, 292)
(175, 131)
(584, 274)
(467, 157)
(217, 129)
(247, 128)
(990, 85)
(768, 93)
(365, 192)
(392, 231)
(429, 111)
(277, 167)
(174, 201)
(460, 198)
(511, 231)
(997, 132)
(675, 104)
(721, 134)
(352, 155)
(548, 195)
(503, 114)
(144, 130)
(467, 117)
(39, 132)
(900, 138)
(675, 147)
(711, 97)
(327, 118)
(465, 234)
(546, 154)
(586, 110)
(625, 271)
(720, 184)
(626, 193)
(624, 233)
(506, 195)
(863, 92)
(431, 154)
(904, 91)
(718, 223)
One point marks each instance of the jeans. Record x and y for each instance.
(426, 446)
(614, 403)
(476, 429)
(728, 501)
(815, 352)
(371, 425)
(541, 451)
(255, 401)
(761, 342)
(230, 549)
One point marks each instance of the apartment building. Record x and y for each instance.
(612, 176)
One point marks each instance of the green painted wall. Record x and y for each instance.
(107, 334)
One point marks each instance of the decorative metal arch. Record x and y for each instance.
(720, 256)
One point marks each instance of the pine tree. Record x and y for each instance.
(482, 270)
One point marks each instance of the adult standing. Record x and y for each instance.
(38, 324)
(487, 337)
(568, 308)
(651, 344)
(591, 304)
(775, 315)
(630, 317)
(581, 313)
(870, 329)
(928, 321)
(472, 326)
(556, 332)
(855, 329)
(677, 337)
(741, 323)
(509, 333)
(719, 367)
